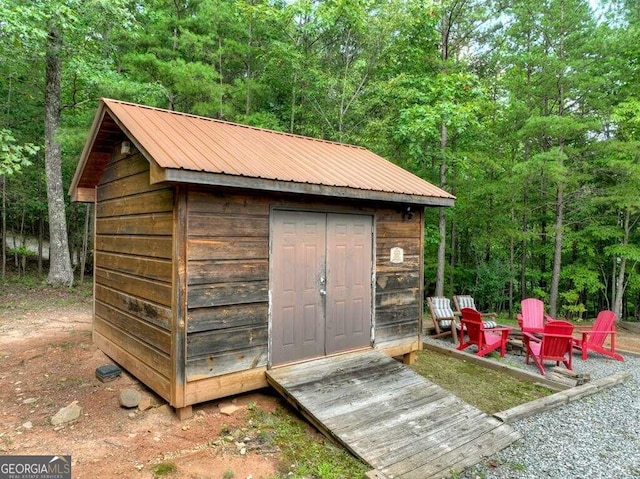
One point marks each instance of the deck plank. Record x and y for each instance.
(389, 416)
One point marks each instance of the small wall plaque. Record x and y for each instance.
(397, 255)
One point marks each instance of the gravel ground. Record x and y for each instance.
(596, 437)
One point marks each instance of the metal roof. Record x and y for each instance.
(193, 149)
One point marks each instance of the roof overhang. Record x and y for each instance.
(108, 131)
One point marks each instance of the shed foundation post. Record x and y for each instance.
(184, 412)
(410, 358)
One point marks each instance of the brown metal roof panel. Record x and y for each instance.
(336, 166)
(181, 141)
(161, 138)
(182, 149)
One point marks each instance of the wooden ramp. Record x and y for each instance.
(389, 416)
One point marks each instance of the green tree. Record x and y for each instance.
(13, 158)
(552, 60)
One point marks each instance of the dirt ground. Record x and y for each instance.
(47, 361)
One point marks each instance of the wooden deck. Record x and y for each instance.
(389, 416)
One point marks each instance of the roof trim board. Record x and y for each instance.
(160, 175)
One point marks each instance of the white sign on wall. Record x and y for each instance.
(397, 255)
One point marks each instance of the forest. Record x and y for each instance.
(527, 111)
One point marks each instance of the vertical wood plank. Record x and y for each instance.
(179, 298)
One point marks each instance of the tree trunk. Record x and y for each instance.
(452, 257)
(60, 272)
(512, 268)
(40, 243)
(614, 274)
(557, 253)
(3, 236)
(442, 220)
(619, 279)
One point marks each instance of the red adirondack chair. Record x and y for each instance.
(593, 337)
(555, 343)
(531, 319)
(486, 340)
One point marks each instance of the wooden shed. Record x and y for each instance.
(222, 250)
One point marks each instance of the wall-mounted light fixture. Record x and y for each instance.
(407, 214)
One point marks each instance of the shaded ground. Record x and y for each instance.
(47, 361)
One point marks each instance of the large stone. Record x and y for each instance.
(145, 403)
(130, 398)
(67, 414)
(228, 409)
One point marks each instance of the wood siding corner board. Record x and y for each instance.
(179, 296)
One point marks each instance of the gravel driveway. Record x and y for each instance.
(596, 437)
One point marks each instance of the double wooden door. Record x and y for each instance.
(320, 284)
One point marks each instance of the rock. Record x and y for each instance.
(130, 398)
(227, 409)
(67, 414)
(29, 400)
(145, 403)
(132, 415)
(164, 410)
(27, 425)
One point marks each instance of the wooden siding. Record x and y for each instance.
(398, 287)
(227, 284)
(133, 261)
(227, 279)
